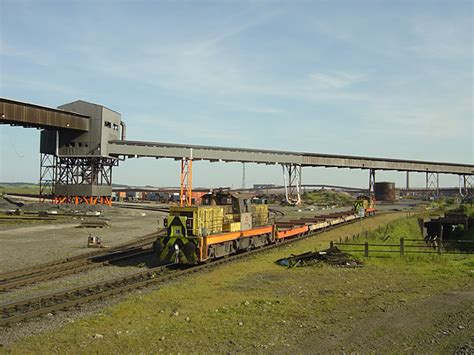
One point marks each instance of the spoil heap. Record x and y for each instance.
(332, 256)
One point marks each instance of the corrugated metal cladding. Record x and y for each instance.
(24, 114)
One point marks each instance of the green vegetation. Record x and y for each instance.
(466, 209)
(17, 220)
(19, 188)
(253, 305)
(387, 237)
(327, 198)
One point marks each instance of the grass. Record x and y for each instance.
(327, 198)
(256, 306)
(466, 209)
(20, 220)
(19, 188)
(386, 237)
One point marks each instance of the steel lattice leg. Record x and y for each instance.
(82, 172)
(371, 182)
(47, 177)
(185, 194)
(432, 185)
(466, 186)
(292, 182)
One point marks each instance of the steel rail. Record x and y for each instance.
(74, 264)
(35, 306)
(84, 265)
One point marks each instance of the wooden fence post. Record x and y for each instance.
(366, 249)
(402, 246)
(440, 240)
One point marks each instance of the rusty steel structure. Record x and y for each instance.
(28, 115)
(83, 180)
(82, 141)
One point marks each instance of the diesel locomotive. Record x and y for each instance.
(227, 223)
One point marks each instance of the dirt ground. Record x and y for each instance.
(27, 244)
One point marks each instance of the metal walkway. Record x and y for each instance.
(225, 154)
(18, 113)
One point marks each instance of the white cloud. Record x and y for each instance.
(28, 54)
(211, 41)
(336, 80)
(441, 38)
(429, 123)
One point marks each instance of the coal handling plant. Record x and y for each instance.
(86, 250)
(81, 142)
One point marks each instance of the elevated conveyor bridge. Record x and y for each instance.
(27, 115)
(95, 136)
(292, 162)
(260, 156)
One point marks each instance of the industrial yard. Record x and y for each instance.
(65, 238)
(326, 312)
(249, 177)
(82, 289)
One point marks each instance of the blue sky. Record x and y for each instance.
(376, 78)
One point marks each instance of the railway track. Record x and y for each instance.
(32, 307)
(75, 264)
(142, 207)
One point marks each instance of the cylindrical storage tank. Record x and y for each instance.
(385, 191)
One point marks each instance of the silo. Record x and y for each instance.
(385, 191)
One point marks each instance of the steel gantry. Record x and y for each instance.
(88, 135)
(76, 180)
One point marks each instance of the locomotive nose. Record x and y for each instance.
(158, 246)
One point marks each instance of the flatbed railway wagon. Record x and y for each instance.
(228, 223)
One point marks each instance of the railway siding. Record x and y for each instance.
(34, 306)
(255, 306)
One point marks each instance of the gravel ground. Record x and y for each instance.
(28, 244)
(73, 280)
(23, 245)
(57, 320)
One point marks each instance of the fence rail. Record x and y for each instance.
(437, 247)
